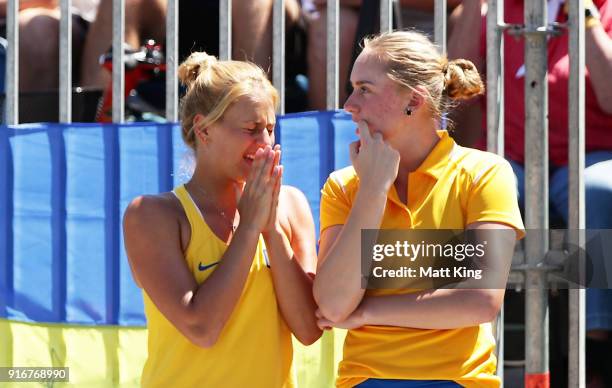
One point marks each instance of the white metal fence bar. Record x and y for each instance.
(536, 189)
(172, 61)
(577, 221)
(12, 63)
(225, 29)
(333, 72)
(440, 24)
(65, 62)
(118, 61)
(278, 51)
(386, 15)
(495, 121)
(495, 77)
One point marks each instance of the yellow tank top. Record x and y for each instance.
(254, 349)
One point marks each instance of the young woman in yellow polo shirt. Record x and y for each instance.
(224, 260)
(407, 173)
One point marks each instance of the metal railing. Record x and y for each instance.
(535, 32)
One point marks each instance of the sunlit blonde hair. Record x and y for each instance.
(213, 85)
(413, 61)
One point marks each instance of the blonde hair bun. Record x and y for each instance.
(196, 64)
(461, 80)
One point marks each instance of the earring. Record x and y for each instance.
(408, 111)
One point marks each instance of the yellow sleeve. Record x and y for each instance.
(493, 197)
(335, 203)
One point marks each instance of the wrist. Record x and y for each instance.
(247, 231)
(273, 232)
(371, 192)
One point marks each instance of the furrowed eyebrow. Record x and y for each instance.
(359, 83)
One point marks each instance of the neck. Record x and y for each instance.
(420, 141)
(221, 191)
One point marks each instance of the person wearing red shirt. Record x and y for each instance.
(598, 108)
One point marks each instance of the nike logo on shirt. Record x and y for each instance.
(205, 267)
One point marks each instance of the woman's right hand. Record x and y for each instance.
(256, 201)
(374, 160)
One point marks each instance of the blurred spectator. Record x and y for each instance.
(198, 31)
(251, 28)
(144, 19)
(355, 23)
(316, 12)
(39, 40)
(598, 158)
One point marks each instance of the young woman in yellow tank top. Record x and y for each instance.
(226, 260)
(408, 173)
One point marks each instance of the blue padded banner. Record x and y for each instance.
(64, 189)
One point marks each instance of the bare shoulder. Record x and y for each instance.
(148, 211)
(155, 230)
(293, 198)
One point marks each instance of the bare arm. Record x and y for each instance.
(153, 245)
(433, 309)
(337, 287)
(292, 264)
(599, 63)
(464, 41)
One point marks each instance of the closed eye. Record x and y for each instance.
(255, 131)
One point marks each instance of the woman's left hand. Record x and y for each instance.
(353, 321)
(273, 222)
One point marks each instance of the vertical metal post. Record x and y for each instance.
(495, 121)
(333, 69)
(172, 61)
(536, 196)
(12, 63)
(278, 52)
(440, 24)
(386, 15)
(118, 61)
(225, 29)
(65, 62)
(495, 77)
(577, 300)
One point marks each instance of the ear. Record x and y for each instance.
(416, 99)
(200, 132)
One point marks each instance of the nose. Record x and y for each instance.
(350, 105)
(265, 138)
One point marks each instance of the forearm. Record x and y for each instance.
(599, 63)
(337, 287)
(437, 309)
(214, 300)
(465, 39)
(293, 288)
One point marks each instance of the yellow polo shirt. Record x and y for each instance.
(454, 187)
